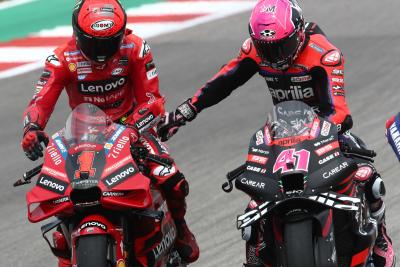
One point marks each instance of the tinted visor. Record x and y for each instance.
(99, 49)
(278, 51)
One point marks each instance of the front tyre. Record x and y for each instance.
(298, 239)
(91, 250)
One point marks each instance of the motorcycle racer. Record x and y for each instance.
(105, 64)
(298, 62)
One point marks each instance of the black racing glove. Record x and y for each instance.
(31, 142)
(172, 121)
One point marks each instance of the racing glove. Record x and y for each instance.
(172, 121)
(31, 142)
(393, 134)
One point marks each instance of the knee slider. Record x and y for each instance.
(176, 186)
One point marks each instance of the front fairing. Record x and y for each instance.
(285, 161)
(90, 152)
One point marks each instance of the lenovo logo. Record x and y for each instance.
(96, 87)
(119, 176)
(52, 184)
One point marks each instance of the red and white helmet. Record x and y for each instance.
(277, 30)
(99, 27)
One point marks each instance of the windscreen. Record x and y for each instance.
(87, 123)
(289, 119)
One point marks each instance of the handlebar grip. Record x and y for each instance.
(236, 172)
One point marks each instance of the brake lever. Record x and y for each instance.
(26, 178)
(232, 175)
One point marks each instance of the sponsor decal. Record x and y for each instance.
(41, 83)
(164, 171)
(301, 79)
(54, 154)
(93, 224)
(113, 194)
(84, 184)
(105, 98)
(52, 184)
(81, 71)
(108, 145)
(271, 79)
(328, 158)
(143, 122)
(314, 129)
(246, 181)
(72, 53)
(105, 86)
(53, 60)
(363, 173)
(123, 61)
(117, 71)
(118, 146)
(127, 46)
(53, 172)
(259, 138)
(82, 77)
(326, 127)
(335, 170)
(147, 145)
(102, 25)
(317, 48)
(337, 87)
(267, 135)
(260, 151)
(338, 72)
(83, 64)
(118, 164)
(246, 47)
(332, 58)
(144, 50)
(61, 200)
(337, 80)
(119, 176)
(72, 67)
(256, 169)
(294, 93)
(324, 141)
(151, 74)
(329, 147)
(257, 159)
(268, 9)
(339, 94)
(150, 65)
(395, 136)
(269, 33)
(165, 243)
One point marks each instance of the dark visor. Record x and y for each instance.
(99, 49)
(275, 52)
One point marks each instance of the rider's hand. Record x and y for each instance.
(31, 142)
(171, 121)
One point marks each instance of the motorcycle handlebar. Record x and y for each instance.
(26, 178)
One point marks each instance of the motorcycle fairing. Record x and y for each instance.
(311, 158)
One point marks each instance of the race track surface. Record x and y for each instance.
(216, 142)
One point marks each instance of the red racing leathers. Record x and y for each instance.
(127, 89)
(316, 77)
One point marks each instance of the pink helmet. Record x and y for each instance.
(277, 30)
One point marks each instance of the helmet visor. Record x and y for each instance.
(275, 52)
(99, 49)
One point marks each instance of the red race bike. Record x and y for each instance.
(108, 214)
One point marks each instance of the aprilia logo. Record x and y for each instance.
(119, 176)
(96, 87)
(294, 93)
(52, 184)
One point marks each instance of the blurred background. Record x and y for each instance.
(216, 142)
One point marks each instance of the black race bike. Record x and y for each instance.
(308, 205)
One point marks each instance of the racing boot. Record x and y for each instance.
(383, 253)
(186, 244)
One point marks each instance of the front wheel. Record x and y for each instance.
(298, 239)
(91, 250)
